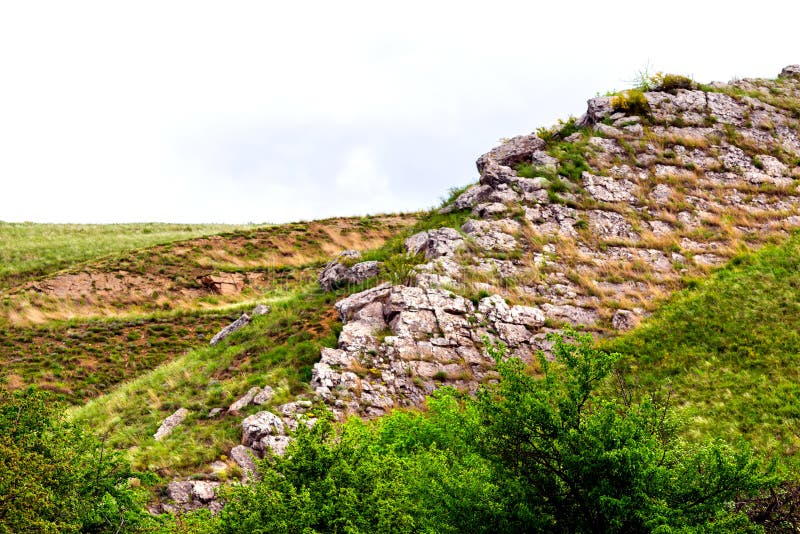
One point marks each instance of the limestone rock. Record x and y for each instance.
(349, 306)
(259, 425)
(341, 271)
(169, 424)
(494, 174)
(790, 71)
(492, 235)
(623, 320)
(264, 396)
(609, 224)
(243, 456)
(435, 243)
(245, 400)
(607, 189)
(597, 109)
(516, 150)
(242, 321)
(261, 309)
(204, 491)
(573, 315)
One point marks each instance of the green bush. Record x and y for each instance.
(530, 454)
(631, 102)
(57, 477)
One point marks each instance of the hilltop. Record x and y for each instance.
(661, 222)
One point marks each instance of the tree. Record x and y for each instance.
(55, 476)
(581, 461)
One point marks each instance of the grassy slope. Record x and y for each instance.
(729, 348)
(30, 249)
(165, 277)
(87, 355)
(277, 349)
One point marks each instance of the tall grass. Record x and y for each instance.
(729, 349)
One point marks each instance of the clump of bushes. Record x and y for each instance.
(631, 102)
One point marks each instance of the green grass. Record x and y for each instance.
(31, 249)
(278, 349)
(729, 349)
(81, 359)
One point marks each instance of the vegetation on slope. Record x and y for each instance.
(728, 347)
(277, 349)
(170, 277)
(30, 250)
(530, 454)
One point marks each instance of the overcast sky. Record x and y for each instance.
(238, 112)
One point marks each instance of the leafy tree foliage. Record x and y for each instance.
(56, 476)
(546, 453)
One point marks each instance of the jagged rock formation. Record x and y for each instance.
(347, 270)
(589, 224)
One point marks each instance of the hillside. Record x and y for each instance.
(662, 222)
(98, 322)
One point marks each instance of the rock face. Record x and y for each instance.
(647, 182)
(344, 271)
(644, 199)
(169, 424)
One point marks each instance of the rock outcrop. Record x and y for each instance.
(346, 270)
(588, 227)
(616, 210)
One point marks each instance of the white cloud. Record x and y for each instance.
(103, 104)
(361, 174)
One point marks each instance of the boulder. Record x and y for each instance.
(514, 151)
(243, 456)
(244, 401)
(259, 425)
(790, 71)
(597, 109)
(204, 491)
(169, 424)
(342, 272)
(242, 321)
(264, 396)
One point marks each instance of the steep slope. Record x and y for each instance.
(594, 222)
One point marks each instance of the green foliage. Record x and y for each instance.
(530, 454)
(583, 462)
(57, 477)
(400, 267)
(631, 102)
(670, 83)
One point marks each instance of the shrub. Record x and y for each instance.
(631, 102)
(57, 477)
(670, 83)
(530, 454)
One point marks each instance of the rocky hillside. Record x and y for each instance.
(590, 223)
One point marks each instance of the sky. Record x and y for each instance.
(236, 112)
